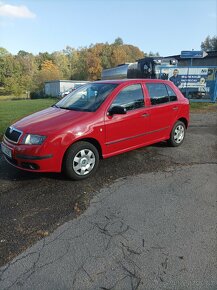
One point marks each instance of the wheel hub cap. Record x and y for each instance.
(84, 162)
(179, 134)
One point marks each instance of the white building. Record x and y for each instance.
(57, 87)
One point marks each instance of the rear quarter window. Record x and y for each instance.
(171, 93)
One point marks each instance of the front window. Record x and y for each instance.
(88, 98)
(131, 98)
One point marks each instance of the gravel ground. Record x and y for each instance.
(34, 205)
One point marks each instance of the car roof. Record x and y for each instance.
(131, 81)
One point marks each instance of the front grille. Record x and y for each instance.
(13, 134)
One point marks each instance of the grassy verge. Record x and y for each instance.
(203, 107)
(11, 111)
(11, 97)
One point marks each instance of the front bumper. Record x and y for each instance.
(36, 158)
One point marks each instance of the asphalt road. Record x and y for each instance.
(150, 222)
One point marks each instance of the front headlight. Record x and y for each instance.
(31, 139)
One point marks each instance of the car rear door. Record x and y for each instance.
(163, 110)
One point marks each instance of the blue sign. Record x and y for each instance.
(193, 54)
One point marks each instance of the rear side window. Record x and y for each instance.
(160, 93)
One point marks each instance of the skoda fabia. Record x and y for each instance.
(99, 120)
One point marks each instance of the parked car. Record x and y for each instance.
(65, 93)
(76, 86)
(98, 120)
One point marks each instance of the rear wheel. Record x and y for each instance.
(177, 134)
(81, 160)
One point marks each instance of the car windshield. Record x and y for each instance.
(87, 98)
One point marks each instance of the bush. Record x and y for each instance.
(37, 95)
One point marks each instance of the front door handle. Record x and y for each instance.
(175, 108)
(145, 115)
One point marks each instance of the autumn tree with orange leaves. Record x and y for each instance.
(27, 72)
(49, 71)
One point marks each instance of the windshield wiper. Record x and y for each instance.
(65, 108)
(55, 106)
(73, 109)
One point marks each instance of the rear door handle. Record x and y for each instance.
(175, 108)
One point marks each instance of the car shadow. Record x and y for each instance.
(122, 165)
(161, 144)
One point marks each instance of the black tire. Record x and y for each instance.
(177, 134)
(81, 160)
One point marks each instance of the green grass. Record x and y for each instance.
(11, 111)
(12, 97)
(203, 107)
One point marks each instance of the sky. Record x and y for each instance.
(163, 26)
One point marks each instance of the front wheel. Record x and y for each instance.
(177, 134)
(81, 160)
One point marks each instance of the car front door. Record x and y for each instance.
(126, 131)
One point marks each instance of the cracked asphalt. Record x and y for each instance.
(146, 220)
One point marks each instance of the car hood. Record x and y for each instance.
(51, 120)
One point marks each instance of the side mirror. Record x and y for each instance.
(117, 110)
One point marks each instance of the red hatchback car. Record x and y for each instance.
(98, 120)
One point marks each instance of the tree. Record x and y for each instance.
(209, 44)
(133, 52)
(153, 53)
(41, 57)
(13, 85)
(94, 67)
(118, 41)
(61, 60)
(27, 72)
(72, 57)
(28, 68)
(118, 55)
(3, 52)
(94, 61)
(6, 65)
(14, 80)
(23, 53)
(11, 74)
(49, 71)
(106, 56)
